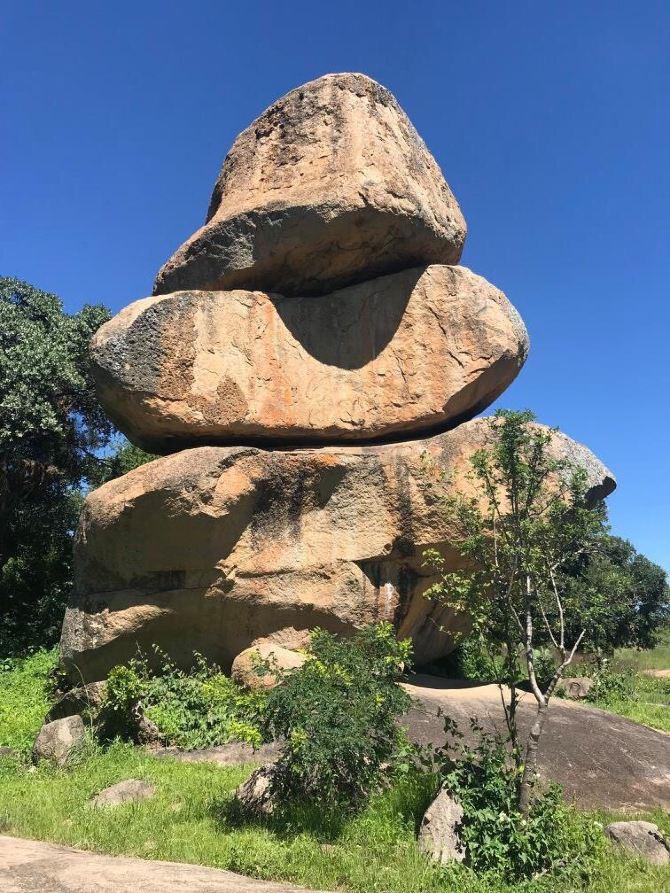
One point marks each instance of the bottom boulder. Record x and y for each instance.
(214, 548)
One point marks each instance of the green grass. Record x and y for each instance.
(650, 700)
(649, 705)
(189, 821)
(23, 698)
(657, 658)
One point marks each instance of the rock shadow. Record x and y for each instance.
(350, 327)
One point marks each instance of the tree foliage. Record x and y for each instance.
(122, 458)
(530, 519)
(631, 591)
(337, 714)
(51, 428)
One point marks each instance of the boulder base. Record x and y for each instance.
(402, 354)
(331, 185)
(214, 548)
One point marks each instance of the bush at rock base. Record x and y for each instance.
(338, 715)
(199, 708)
(552, 839)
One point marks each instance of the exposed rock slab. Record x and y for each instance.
(57, 740)
(131, 790)
(236, 753)
(213, 548)
(402, 354)
(330, 185)
(27, 866)
(601, 760)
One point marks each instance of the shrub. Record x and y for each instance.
(24, 697)
(552, 838)
(610, 685)
(338, 715)
(199, 708)
(469, 660)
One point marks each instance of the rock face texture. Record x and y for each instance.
(331, 185)
(274, 660)
(214, 548)
(58, 739)
(641, 839)
(132, 790)
(438, 835)
(398, 355)
(295, 350)
(255, 795)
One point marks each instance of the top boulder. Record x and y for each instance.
(330, 186)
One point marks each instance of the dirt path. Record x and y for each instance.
(601, 760)
(29, 866)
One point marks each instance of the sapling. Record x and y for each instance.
(529, 515)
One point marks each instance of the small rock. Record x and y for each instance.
(7, 752)
(255, 795)
(58, 739)
(640, 839)
(132, 790)
(438, 835)
(80, 699)
(245, 669)
(576, 687)
(148, 732)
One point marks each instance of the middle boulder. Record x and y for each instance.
(403, 354)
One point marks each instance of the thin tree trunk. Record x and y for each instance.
(530, 762)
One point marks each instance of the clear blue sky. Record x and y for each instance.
(550, 122)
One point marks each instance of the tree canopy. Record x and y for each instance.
(51, 430)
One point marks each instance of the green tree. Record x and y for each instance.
(632, 590)
(123, 457)
(51, 431)
(528, 522)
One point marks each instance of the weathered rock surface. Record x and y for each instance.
(31, 866)
(235, 753)
(438, 835)
(57, 740)
(642, 839)
(601, 760)
(82, 699)
(214, 548)
(132, 790)
(399, 355)
(245, 670)
(255, 795)
(576, 687)
(330, 185)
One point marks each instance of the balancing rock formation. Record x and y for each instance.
(311, 360)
